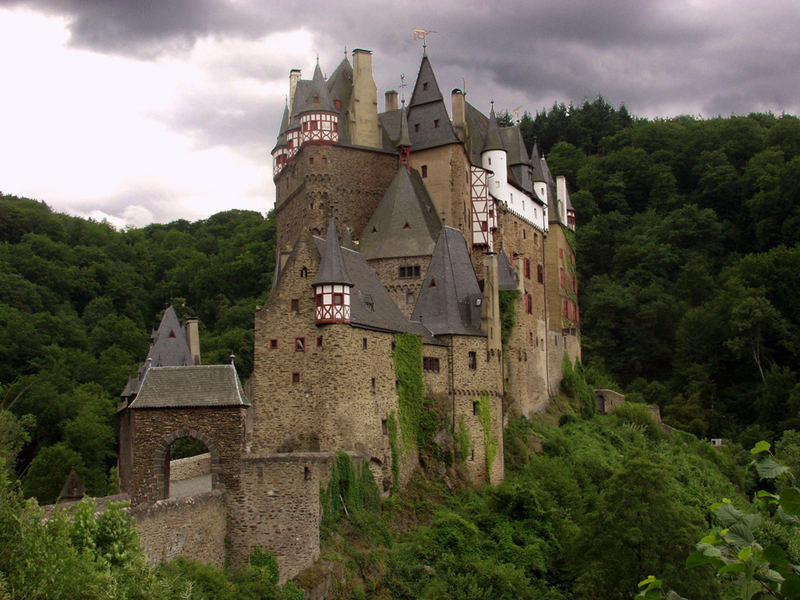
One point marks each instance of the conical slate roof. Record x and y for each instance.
(449, 299)
(493, 139)
(319, 90)
(331, 267)
(505, 273)
(405, 139)
(536, 162)
(284, 121)
(514, 145)
(428, 121)
(405, 222)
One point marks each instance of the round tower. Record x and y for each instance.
(493, 155)
(332, 285)
(319, 119)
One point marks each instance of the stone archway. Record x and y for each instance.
(161, 459)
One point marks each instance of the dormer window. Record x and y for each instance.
(316, 99)
(338, 104)
(436, 123)
(425, 85)
(416, 127)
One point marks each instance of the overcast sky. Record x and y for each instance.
(140, 111)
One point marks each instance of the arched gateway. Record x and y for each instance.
(203, 402)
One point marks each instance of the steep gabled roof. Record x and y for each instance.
(191, 386)
(405, 222)
(331, 267)
(515, 145)
(536, 163)
(477, 125)
(340, 83)
(371, 306)
(429, 123)
(448, 301)
(506, 280)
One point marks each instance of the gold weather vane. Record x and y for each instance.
(422, 34)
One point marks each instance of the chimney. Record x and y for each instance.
(391, 100)
(294, 77)
(459, 113)
(363, 107)
(193, 339)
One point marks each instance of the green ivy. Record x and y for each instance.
(574, 384)
(391, 425)
(350, 490)
(507, 299)
(463, 441)
(407, 356)
(489, 443)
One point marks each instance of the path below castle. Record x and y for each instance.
(190, 487)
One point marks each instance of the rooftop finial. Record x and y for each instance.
(422, 34)
(345, 50)
(492, 102)
(232, 356)
(403, 85)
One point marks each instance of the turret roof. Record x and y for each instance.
(448, 301)
(404, 223)
(404, 139)
(331, 268)
(340, 83)
(493, 140)
(515, 145)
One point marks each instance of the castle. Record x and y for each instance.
(403, 235)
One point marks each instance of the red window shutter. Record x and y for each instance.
(563, 278)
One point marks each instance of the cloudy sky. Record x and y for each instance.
(152, 110)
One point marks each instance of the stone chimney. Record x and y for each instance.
(459, 113)
(391, 100)
(193, 339)
(294, 77)
(363, 107)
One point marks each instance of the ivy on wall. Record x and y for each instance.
(407, 356)
(391, 425)
(351, 489)
(507, 298)
(489, 442)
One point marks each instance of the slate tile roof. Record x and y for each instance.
(449, 301)
(191, 386)
(428, 121)
(405, 222)
(506, 280)
(332, 268)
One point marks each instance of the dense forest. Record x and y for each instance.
(688, 261)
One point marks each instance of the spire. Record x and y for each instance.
(284, 120)
(428, 121)
(493, 139)
(331, 267)
(319, 99)
(405, 139)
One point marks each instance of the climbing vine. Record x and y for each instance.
(507, 298)
(350, 489)
(391, 425)
(489, 443)
(407, 356)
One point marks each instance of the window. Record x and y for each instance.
(314, 125)
(316, 99)
(409, 297)
(416, 127)
(311, 160)
(435, 123)
(306, 473)
(561, 253)
(409, 271)
(385, 427)
(364, 343)
(474, 408)
(338, 299)
(295, 377)
(524, 234)
(473, 361)
(319, 341)
(338, 104)
(324, 161)
(566, 308)
(433, 283)
(528, 304)
(273, 344)
(319, 299)
(540, 273)
(527, 268)
(304, 272)
(373, 383)
(484, 226)
(430, 363)
(406, 226)
(300, 344)
(572, 258)
(296, 304)
(425, 85)
(563, 278)
(424, 170)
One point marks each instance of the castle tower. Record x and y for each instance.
(280, 154)
(493, 155)
(363, 108)
(319, 121)
(332, 285)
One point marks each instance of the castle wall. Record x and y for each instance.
(525, 351)
(436, 382)
(399, 289)
(351, 180)
(277, 507)
(191, 466)
(447, 182)
(194, 527)
(558, 343)
(346, 385)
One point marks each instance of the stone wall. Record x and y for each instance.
(526, 348)
(350, 180)
(607, 400)
(345, 385)
(194, 527)
(388, 271)
(559, 342)
(191, 466)
(220, 429)
(447, 183)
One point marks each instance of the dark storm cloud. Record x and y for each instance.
(655, 55)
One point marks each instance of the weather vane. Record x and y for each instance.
(422, 34)
(403, 85)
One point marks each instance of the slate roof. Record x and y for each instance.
(192, 386)
(404, 223)
(331, 267)
(340, 83)
(493, 140)
(318, 89)
(447, 302)
(371, 306)
(517, 154)
(426, 108)
(506, 280)
(477, 125)
(168, 348)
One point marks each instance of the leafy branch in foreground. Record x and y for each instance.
(751, 570)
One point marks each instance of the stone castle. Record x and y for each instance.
(397, 229)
